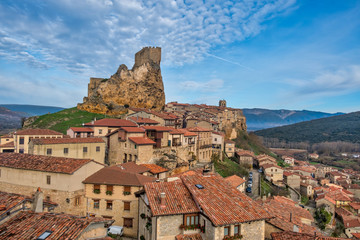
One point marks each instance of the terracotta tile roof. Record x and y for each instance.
(133, 129)
(229, 141)
(235, 180)
(289, 235)
(195, 236)
(222, 203)
(245, 153)
(42, 163)
(356, 235)
(283, 209)
(177, 131)
(155, 169)
(81, 129)
(112, 122)
(9, 200)
(287, 173)
(198, 129)
(30, 225)
(115, 175)
(37, 131)
(343, 212)
(157, 128)
(133, 167)
(142, 140)
(351, 221)
(269, 165)
(45, 141)
(142, 120)
(189, 134)
(6, 136)
(178, 199)
(355, 205)
(7, 145)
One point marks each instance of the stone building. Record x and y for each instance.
(229, 148)
(59, 178)
(237, 182)
(110, 194)
(218, 143)
(104, 126)
(82, 148)
(197, 206)
(204, 144)
(306, 190)
(292, 179)
(22, 138)
(273, 173)
(7, 144)
(80, 132)
(163, 118)
(245, 157)
(128, 144)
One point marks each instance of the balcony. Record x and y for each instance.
(176, 144)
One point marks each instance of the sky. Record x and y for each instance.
(278, 54)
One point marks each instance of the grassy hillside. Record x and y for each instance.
(61, 121)
(338, 128)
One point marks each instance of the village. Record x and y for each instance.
(153, 174)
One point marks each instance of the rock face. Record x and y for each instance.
(140, 87)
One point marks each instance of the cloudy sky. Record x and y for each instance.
(278, 54)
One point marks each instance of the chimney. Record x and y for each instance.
(206, 172)
(162, 200)
(38, 201)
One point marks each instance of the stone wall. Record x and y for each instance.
(253, 230)
(148, 55)
(168, 227)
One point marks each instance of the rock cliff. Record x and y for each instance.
(140, 87)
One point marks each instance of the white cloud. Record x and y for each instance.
(214, 85)
(95, 36)
(330, 83)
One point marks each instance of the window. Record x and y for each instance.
(127, 189)
(109, 204)
(66, 150)
(128, 222)
(47, 198)
(127, 206)
(236, 229)
(96, 188)
(125, 157)
(48, 151)
(96, 203)
(77, 200)
(100, 131)
(130, 157)
(85, 149)
(21, 141)
(125, 145)
(21, 150)
(191, 219)
(44, 235)
(98, 149)
(107, 217)
(226, 231)
(48, 179)
(135, 146)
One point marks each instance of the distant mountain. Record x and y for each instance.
(32, 110)
(344, 127)
(258, 118)
(9, 120)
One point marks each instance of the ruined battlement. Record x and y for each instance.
(148, 55)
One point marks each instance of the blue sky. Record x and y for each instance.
(279, 54)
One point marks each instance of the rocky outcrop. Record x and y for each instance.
(140, 87)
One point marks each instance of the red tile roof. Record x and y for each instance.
(177, 131)
(142, 140)
(133, 167)
(112, 122)
(141, 120)
(45, 141)
(30, 225)
(195, 236)
(283, 209)
(229, 141)
(355, 205)
(269, 165)
(178, 199)
(81, 129)
(289, 235)
(115, 175)
(351, 221)
(7, 145)
(157, 128)
(245, 153)
(235, 180)
(37, 131)
(42, 163)
(220, 202)
(155, 169)
(133, 129)
(9, 200)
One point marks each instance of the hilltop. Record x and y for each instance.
(337, 128)
(259, 118)
(61, 121)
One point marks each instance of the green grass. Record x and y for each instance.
(265, 188)
(61, 121)
(228, 168)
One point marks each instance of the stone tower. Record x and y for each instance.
(148, 55)
(222, 103)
